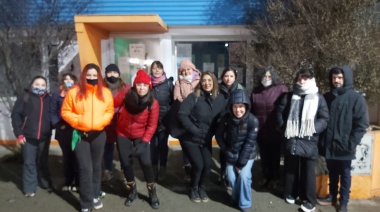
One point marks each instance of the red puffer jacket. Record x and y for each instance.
(142, 125)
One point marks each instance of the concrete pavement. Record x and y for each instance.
(172, 192)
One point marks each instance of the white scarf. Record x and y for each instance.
(309, 110)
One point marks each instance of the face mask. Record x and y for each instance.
(266, 83)
(38, 91)
(188, 78)
(69, 84)
(112, 79)
(92, 81)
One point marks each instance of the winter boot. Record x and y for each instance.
(131, 188)
(153, 199)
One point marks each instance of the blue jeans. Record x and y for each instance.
(340, 170)
(159, 148)
(241, 184)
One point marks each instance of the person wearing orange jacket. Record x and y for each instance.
(88, 108)
(135, 128)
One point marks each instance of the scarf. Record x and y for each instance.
(158, 80)
(306, 128)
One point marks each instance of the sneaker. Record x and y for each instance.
(203, 195)
(290, 199)
(307, 207)
(30, 194)
(342, 208)
(66, 188)
(74, 189)
(97, 204)
(328, 200)
(102, 194)
(194, 195)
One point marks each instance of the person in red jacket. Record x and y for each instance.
(136, 126)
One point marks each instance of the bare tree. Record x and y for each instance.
(326, 33)
(32, 32)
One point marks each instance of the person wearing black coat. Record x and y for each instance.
(63, 133)
(198, 114)
(236, 135)
(163, 92)
(31, 126)
(347, 125)
(302, 115)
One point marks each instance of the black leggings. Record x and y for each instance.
(200, 159)
(125, 146)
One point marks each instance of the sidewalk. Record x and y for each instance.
(172, 192)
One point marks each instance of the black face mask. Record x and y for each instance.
(112, 79)
(92, 81)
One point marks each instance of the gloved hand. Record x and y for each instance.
(140, 147)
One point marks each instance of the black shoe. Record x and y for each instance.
(290, 199)
(194, 194)
(342, 208)
(202, 194)
(307, 207)
(328, 200)
(131, 187)
(154, 202)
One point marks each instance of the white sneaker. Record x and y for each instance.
(97, 204)
(290, 199)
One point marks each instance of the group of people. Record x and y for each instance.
(91, 114)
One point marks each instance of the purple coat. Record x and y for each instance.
(264, 101)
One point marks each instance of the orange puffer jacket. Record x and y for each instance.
(89, 113)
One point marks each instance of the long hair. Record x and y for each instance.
(227, 70)
(215, 86)
(82, 91)
(261, 73)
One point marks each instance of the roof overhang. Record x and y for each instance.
(124, 23)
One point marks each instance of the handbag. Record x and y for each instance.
(171, 123)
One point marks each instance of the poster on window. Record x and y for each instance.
(363, 162)
(137, 50)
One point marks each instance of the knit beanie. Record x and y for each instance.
(187, 63)
(112, 67)
(142, 77)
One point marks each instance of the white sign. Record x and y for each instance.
(137, 50)
(363, 162)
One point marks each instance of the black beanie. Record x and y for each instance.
(112, 67)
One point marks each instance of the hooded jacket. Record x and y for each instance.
(237, 136)
(348, 119)
(31, 116)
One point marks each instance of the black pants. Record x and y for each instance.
(270, 154)
(35, 169)
(159, 148)
(89, 156)
(200, 160)
(70, 166)
(300, 178)
(340, 172)
(125, 146)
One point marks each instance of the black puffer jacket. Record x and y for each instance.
(199, 116)
(304, 147)
(31, 116)
(237, 136)
(348, 120)
(163, 92)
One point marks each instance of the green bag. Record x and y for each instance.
(77, 137)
